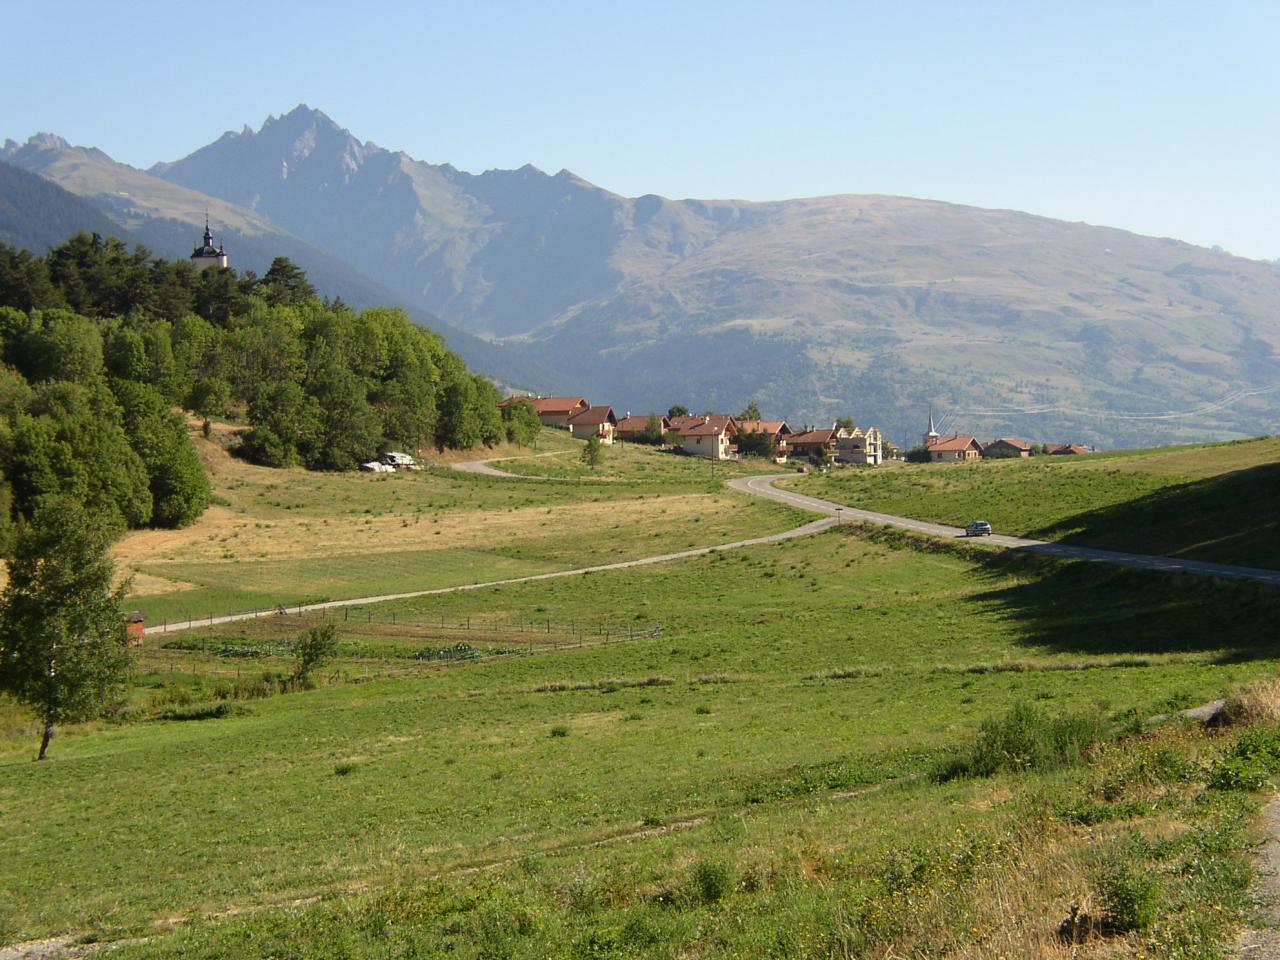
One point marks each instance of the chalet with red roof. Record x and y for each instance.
(954, 449)
(593, 422)
(552, 411)
(635, 428)
(1068, 449)
(813, 443)
(1007, 447)
(709, 436)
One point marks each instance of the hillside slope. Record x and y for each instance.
(36, 214)
(866, 304)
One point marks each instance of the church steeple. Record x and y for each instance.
(207, 255)
(932, 435)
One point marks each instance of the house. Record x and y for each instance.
(678, 423)
(1007, 447)
(552, 411)
(633, 428)
(776, 430)
(953, 449)
(859, 446)
(1068, 449)
(593, 422)
(812, 443)
(709, 436)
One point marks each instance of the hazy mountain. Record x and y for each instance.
(115, 198)
(870, 305)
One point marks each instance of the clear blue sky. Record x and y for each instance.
(1163, 118)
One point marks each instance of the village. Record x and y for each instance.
(719, 436)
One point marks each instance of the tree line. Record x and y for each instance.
(102, 343)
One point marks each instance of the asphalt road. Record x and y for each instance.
(762, 486)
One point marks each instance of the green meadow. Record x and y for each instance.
(1216, 502)
(758, 752)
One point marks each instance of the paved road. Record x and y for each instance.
(763, 486)
(482, 466)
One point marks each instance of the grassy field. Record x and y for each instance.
(1213, 503)
(749, 753)
(289, 536)
(783, 677)
(636, 462)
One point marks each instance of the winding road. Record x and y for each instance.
(762, 486)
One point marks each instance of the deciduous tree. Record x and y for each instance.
(63, 648)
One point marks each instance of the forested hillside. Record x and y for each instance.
(36, 214)
(103, 345)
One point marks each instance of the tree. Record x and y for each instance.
(313, 649)
(652, 432)
(750, 412)
(678, 410)
(593, 452)
(523, 425)
(846, 423)
(919, 454)
(63, 648)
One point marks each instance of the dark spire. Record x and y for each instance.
(208, 237)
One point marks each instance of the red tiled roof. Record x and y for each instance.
(811, 437)
(634, 424)
(710, 426)
(774, 427)
(1013, 442)
(952, 444)
(1068, 448)
(593, 417)
(557, 406)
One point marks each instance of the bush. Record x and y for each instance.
(314, 648)
(1130, 898)
(1250, 762)
(559, 730)
(1028, 739)
(711, 881)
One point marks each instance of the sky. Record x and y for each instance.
(1161, 118)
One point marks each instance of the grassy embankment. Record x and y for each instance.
(1215, 502)
(469, 808)
(289, 536)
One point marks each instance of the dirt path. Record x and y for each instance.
(1262, 941)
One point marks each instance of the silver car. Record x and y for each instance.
(979, 528)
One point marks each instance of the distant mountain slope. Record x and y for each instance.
(168, 218)
(871, 305)
(36, 214)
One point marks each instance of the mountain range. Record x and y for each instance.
(873, 306)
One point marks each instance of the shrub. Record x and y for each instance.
(314, 648)
(203, 711)
(559, 730)
(1130, 898)
(1026, 738)
(342, 769)
(1250, 762)
(712, 881)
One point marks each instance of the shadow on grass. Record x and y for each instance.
(1090, 608)
(1231, 518)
